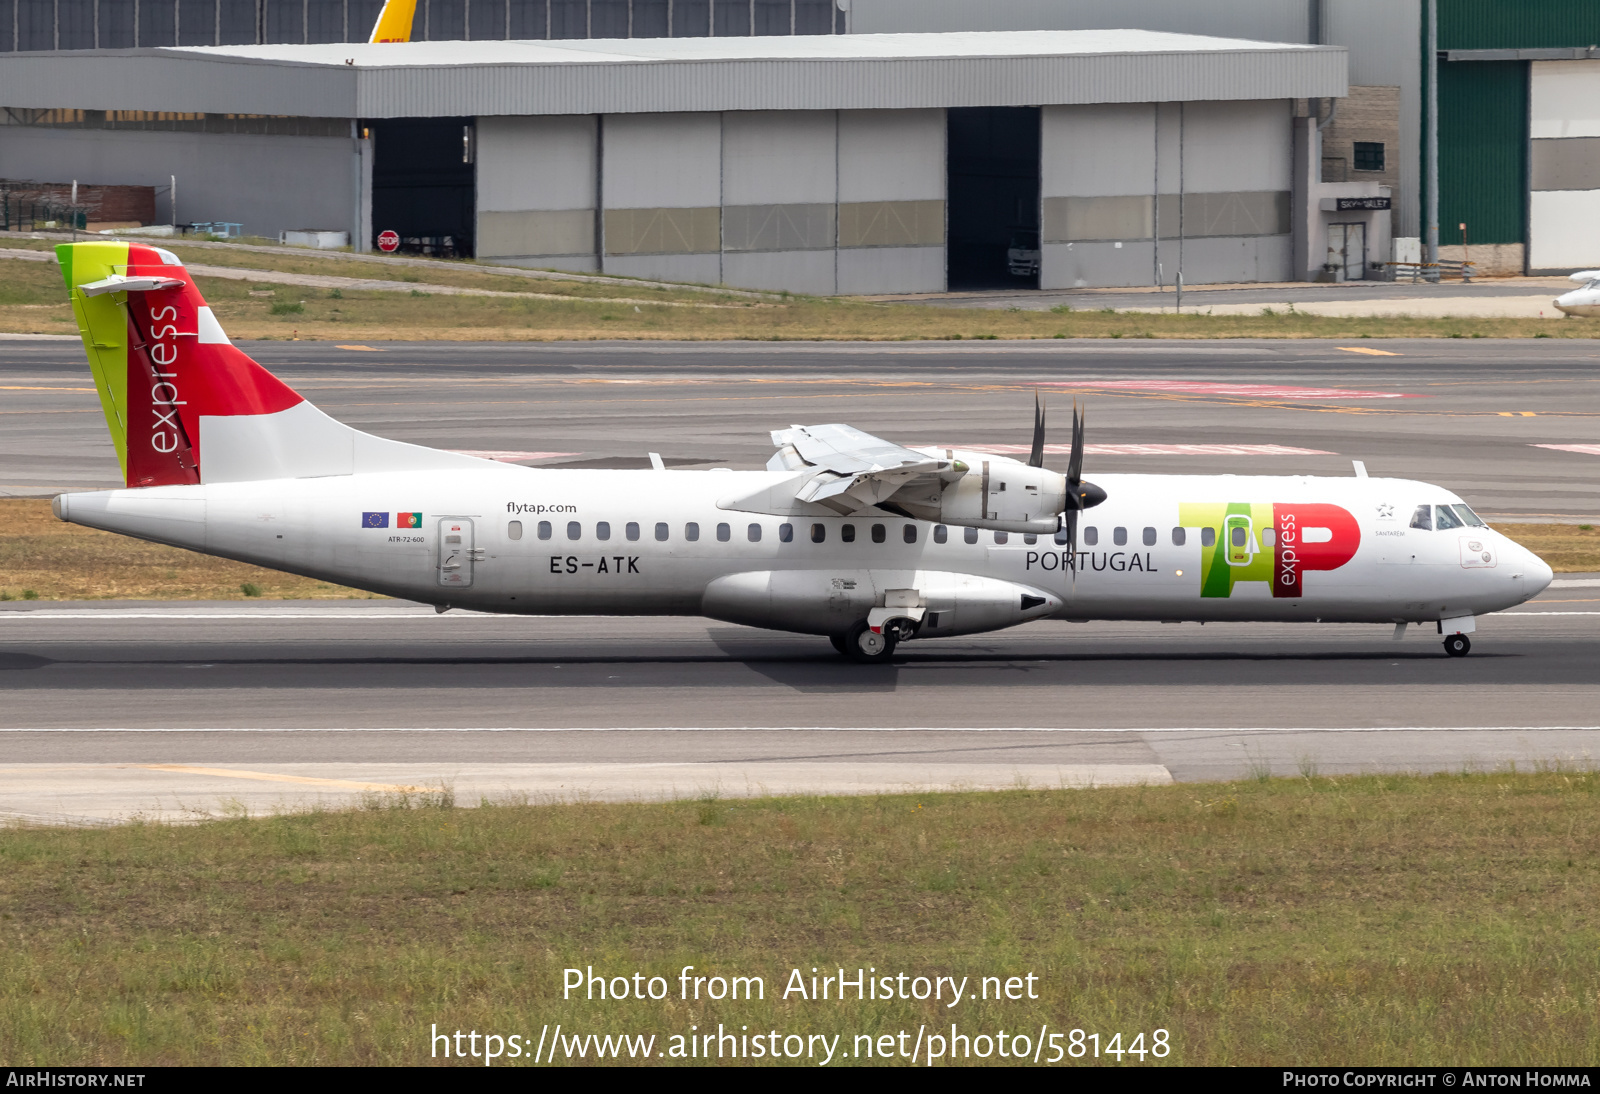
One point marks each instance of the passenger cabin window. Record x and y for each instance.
(753, 533)
(847, 532)
(785, 533)
(1149, 537)
(514, 530)
(1208, 537)
(941, 534)
(1030, 539)
(662, 532)
(1119, 536)
(819, 533)
(1091, 536)
(1445, 517)
(602, 531)
(544, 529)
(691, 531)
(879, 533)
(909, 534)
(724, 533)
(1062, 538)
(1002, 537)
(574, 530)
(970, 535)
(1178, 537)
(1268, 537)
(631, 530)
(1423, 518)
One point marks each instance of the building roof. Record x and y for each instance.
(646, 75)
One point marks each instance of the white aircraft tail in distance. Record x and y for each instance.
(842, 534)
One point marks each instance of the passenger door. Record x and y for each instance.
(457, 553)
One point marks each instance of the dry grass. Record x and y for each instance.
(1568, 548)
(32, 301)
(53, 560)
(1331, 921)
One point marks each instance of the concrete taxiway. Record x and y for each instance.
(201, 709)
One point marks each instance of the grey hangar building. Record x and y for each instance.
(828, 163)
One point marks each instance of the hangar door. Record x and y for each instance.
(424, 182)
(1564, 172)
(993, 187)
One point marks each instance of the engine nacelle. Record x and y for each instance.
(830, 601)
(994, 492)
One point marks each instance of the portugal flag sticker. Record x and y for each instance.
(408, 520)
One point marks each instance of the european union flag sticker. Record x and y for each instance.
(374, 520)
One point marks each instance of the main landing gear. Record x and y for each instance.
(864, 645)
(1458, 645)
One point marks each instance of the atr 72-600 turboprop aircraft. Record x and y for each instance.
(843, 534)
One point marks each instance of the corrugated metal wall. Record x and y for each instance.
(110, 24)
(1483, 109)
(1517, 24)
(1483, 118)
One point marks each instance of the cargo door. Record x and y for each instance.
(457, 552)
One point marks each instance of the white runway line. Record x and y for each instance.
(814, 729)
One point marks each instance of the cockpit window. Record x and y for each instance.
(1423, 518)
(1468, 515)
(1447, 518)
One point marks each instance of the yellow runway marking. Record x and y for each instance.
(268, 777)
(1368, 352)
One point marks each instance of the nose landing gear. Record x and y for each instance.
(1457, 645)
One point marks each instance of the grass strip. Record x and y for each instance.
(42, 558)
(1393, 920)
(32, 301)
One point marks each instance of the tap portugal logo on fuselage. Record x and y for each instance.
(1274, 543)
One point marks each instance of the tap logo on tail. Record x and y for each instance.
(1275, 543)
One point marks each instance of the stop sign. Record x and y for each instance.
(388, 240)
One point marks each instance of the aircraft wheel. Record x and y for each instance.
(1458, 645)
(838, 643)
(866, 646)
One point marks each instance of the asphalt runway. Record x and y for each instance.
(180, 710)
(1475, 412)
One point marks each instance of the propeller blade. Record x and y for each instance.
(1075, 463)
(1036, 457)
(1072, 541)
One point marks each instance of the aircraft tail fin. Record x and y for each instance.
(185, 405)
(394, 21)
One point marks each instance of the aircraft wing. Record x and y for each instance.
(854, 470)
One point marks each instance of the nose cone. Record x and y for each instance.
(1536, 574)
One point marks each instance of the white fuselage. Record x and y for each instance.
(1584, 301)
(657, 542)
